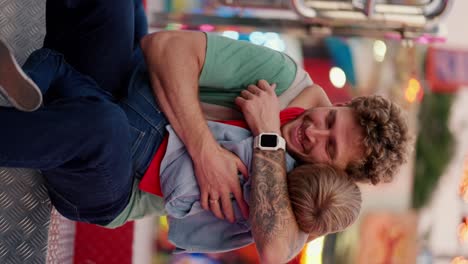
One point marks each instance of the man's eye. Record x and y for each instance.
(330, 149)
(330, 119)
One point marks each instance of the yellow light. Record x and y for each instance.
(313, 254)
(173, 26)
(459, 260)
(413, 91)
(464, 182)
(163, 222)
(337, 77)
(463, 231)
(380, 49)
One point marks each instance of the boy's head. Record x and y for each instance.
(367, 137)
(324, 199)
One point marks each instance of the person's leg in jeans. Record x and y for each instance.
(56, 79)
(96, 37)
(80, 142)
(141, 22)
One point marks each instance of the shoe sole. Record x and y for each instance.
(15, 85)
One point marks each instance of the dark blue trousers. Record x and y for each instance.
(97, 37)
(81, 139)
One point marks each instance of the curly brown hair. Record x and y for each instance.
(385, 139)
(323, 198)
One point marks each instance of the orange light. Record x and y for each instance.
(463, 230)
(459, 260)
(464, 182)
(414, 91)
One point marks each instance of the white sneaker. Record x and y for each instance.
(16, 88)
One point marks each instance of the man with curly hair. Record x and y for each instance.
(366, 136)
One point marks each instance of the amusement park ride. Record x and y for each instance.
(400, 19)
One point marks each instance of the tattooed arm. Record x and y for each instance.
(274, 226)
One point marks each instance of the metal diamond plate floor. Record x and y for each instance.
(24, 204)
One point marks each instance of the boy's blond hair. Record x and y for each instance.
(323, 198)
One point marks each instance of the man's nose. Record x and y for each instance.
(315, 134)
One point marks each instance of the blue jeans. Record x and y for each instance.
(88, 145)
(97, 37)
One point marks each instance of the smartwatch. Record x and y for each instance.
(269, 141)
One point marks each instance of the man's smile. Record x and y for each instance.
(298, 137)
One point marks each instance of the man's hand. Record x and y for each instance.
(216, 170)
(260, 107)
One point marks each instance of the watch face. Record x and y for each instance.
(269, 141)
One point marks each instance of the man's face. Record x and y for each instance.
(325, 135)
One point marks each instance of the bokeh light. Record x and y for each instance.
(207, 27)
(463, 231)
(271, 35)
(313, 253)
(163, 223)
(380, 49)
(174, 26)
(459, 260)
(414, 91)
(231, 34)
(276, 44)
(337, 77)
(464, 182)
(257, 38)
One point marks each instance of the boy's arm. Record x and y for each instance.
(175, 60)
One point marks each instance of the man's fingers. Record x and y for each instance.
(227, 207)
(204, 200)
(241, 202)
(237, 192)
(215, 208)
(242, 168)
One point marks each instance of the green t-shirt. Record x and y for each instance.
(140, 205)
(232, 65)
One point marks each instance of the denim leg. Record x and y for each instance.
(141, 22)
(96, 37)
(82, 146)
(147, 126)
(57, 79)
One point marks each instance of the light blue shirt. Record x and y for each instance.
(192, 229)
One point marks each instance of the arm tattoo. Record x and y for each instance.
(269, 202)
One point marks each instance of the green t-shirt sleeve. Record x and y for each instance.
(231, 65)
